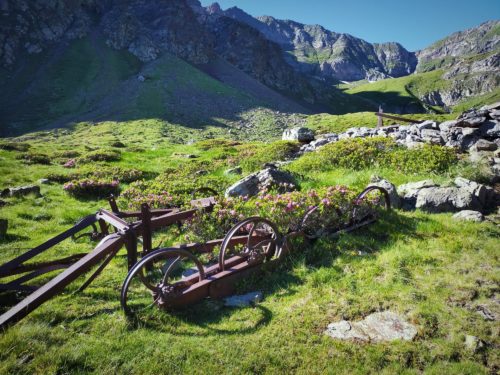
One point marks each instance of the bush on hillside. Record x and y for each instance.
(90, 188)
(364, 153)
(33, 158)
(15, 146)
(100, 155)
(253, 158)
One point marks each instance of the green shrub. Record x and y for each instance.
(90, 188)
(254, 158)
(365, 153)
(100, 155)
(429, 158)
(15, 146)
(32, 158)
(100, 172)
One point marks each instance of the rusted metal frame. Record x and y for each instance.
(56, 285)
(398, 118)
(119, 224)
(34, 266)
(154, 212)
(12, 285)
(202, 289)
(130, 241)
(147, 234)
(97, 271)
(16, 262)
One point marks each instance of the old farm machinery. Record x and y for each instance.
(175, 276)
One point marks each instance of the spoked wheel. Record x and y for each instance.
(255, 239)
(159, 278)
(369, 203)
(316, 224)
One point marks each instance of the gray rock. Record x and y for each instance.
(491, 106)
(377, 327)
(266, 179)
(474, 344)
(141, 78)
(408, 192)
(447, 125)
(468, 215)
(44, 181)
(299, 134)
(4, 224)
(484, 145)
(244, 300)
(446, 199)
(478, 191)
(21, 191)
(431, 136)
(490, 129)
(236, 170)
(427, 125)
(389, 187)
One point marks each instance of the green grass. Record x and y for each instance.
(430, 268)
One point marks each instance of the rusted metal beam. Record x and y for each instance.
(14, 263)
(55, 286)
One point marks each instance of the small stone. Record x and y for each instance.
(377, 327)
(244, 300)
(44, 181)
(201, 172)
(469, 215)
(141, 78)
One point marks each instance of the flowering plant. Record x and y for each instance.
(90, 188)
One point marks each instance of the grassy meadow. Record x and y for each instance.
(435, 271)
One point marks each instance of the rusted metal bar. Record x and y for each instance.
(14, 263)
(97, 271)
(397, 118)
(108, 245)
(110, 218)
(35, 266)
(147, 236)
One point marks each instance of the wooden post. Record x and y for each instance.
(380, 121)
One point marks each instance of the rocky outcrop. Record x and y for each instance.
(389, 187)
(299, 134)
(474, 41)
(21, 191)
(267, 179)
(463, 195)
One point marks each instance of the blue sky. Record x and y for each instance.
(415, 24)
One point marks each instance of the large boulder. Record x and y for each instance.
(408, 192)
(389, 187)
(299, 134)
(266, 179)
(446, 199)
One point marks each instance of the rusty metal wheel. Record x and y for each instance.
(158, 278)
(369, 203)
(255, 239)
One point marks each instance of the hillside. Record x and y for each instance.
(438, 272)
